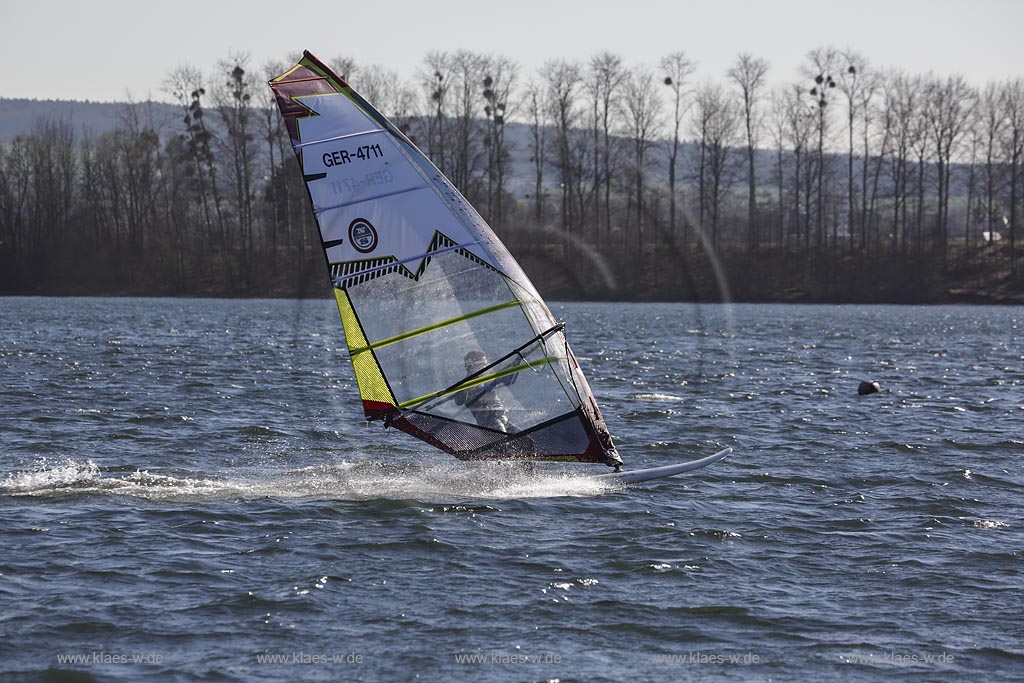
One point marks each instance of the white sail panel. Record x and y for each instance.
(334, 115)
(401, 226)
(361, 167)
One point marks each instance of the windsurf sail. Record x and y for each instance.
(449, 340)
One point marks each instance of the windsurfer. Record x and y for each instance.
(486, 405)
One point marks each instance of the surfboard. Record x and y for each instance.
(637, 476)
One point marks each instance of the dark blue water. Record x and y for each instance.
(188, 492)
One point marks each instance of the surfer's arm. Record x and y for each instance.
(507, 380)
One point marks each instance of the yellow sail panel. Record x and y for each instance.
(372, 385)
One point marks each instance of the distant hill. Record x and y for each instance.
(18, 116)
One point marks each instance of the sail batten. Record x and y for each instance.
(436, 326)
(324, 209)
(303, 145)
(448, 339)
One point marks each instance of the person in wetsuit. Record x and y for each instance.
(482, 400)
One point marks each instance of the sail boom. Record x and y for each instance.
(476, 382)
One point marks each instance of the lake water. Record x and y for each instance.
(188, 492)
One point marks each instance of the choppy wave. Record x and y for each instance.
(658, 397)
(359, 480)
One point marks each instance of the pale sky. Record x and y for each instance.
(102, 50)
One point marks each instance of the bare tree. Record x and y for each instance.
(777, 120)
(920, 143)
(678, 68)
(717, 121)
(877, 145)
(799, 130)
(535, 112)
(992, 121)
(562, 81)
(436, 79)
(947, 112)
(604, 79)
(642, 109)
(14, 178)
(233, 98)
(499, 84)
(52, 169)
(975, 141)
(187, 86)
(856, 86)
(800, 126)
(117, 198)
(821, 65)
(137, 147)
(902, 102)
(346, 67)
(382, 88)
(1014, 138)
(274, 135)
(748, 74)
(469, 70)
(583, 185)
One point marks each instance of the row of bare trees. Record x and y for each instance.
(644, 166)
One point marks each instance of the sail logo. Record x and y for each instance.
(363, 235)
